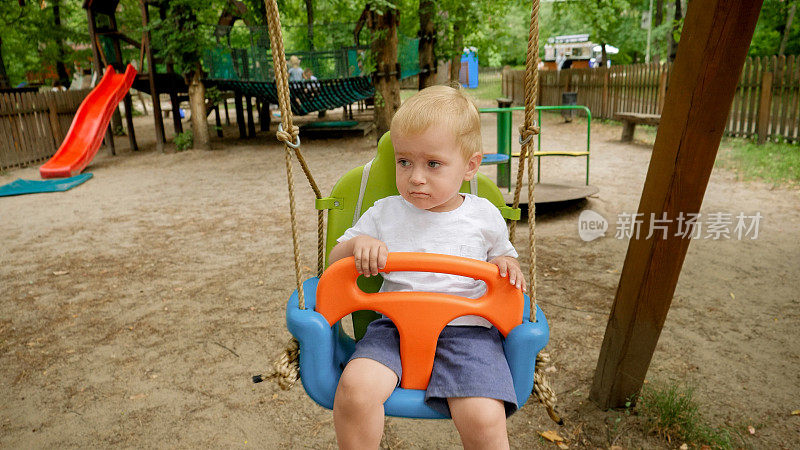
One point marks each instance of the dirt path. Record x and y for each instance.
(136, 307)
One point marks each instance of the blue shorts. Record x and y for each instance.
(469, 362)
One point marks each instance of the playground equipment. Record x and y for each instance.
(545, 192)
(324, 346)
(106, 40)
(468, 75)
(89, 125)
(340, 78)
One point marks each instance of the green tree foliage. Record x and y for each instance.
(185, 32)
(499, 29)
(334, 23)
(501, 33)
(771, 26)
(614, 22)
(30, 40)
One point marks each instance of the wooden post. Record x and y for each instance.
(218, 121)
(662, 88)
(251, 124)
(714, 43)
(764, 107)
(263, 114)
(127, 100)
(52, 108)
(151, 67)
(541, 89)
(237, 100)
(519, 87)
(629, 126)
(604, 108)
(504, 83)
(98, 68)
(177, 125)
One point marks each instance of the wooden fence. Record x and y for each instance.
(32, 125)
(641, 88)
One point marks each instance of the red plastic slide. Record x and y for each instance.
(89, 125)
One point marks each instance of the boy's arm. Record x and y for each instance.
(370, 253)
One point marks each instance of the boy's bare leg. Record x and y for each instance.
(480, 421)
(358, 406)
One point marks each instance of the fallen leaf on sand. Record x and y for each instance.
(751, 429)
(796, 412)
(551, 436)
(562, 445)
(61, 272)
(137, 396)
(733, 296)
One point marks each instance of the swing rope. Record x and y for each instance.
(541, 386)
(286, 368)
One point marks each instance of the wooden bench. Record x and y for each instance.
(630, 120)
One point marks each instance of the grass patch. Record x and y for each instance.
(670, 412)
(484, 91)
(184, 141)
(776, 163)
(487, 91)
(405, 94)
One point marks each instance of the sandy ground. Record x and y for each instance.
(136, 307)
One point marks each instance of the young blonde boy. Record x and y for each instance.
(437, 143)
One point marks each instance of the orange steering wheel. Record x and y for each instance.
(421, 316)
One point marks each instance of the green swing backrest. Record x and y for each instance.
(380, 184)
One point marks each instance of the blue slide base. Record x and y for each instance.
(21, 187)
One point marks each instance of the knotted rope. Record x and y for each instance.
(286, 367)
(289, 134)
(541, 387)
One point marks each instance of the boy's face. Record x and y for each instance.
(430, 167)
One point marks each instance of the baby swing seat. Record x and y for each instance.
(419, 316)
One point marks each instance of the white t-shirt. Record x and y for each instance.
(474, 230)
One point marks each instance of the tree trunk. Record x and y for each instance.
(672, 44)
(658, 20)
(4, 81)
(427, 40)
(197, 103)
(387, 79)
(787, 29)
(310, 22)
(61, 69)
(603, 55)
(458, 49)
(659, 16)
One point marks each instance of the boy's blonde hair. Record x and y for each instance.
(441, 106)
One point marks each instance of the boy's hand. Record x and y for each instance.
(370, 255)
(510, 266)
